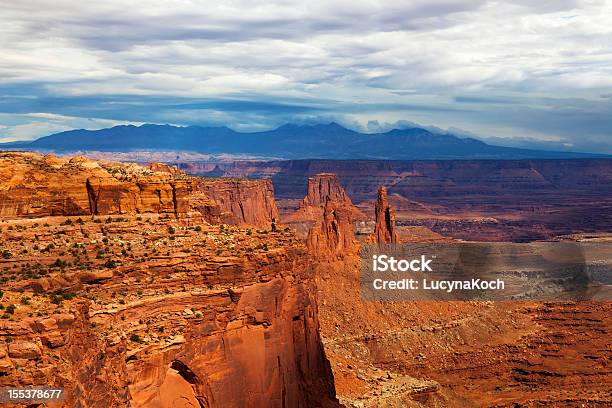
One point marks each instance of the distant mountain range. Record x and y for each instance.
(324, 141)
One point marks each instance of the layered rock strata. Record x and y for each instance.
(384, 228)
(148, 312)
(243, 202)
(324, 188)
(132, 306)
(487, 200)
(33, 185)
(334, 236)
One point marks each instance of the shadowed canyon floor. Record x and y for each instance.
(149, 287)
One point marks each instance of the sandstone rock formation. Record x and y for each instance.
(242, 201)
(33, 185)
(322, 188)
(164, 168)
(488, 200)
(333, 236)
(327, 214)
(146, 311)
(384, 229)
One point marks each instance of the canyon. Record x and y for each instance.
(485, 200)
(135, 297)
(153, 286)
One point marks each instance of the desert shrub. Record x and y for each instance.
(55, 299)
(110, 263)
(59, 263)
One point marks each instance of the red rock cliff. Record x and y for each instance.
(243, 202)
(33, 185)
(166, 316)
(161, 167)
(333, 236)
(322, 188)
(384, 229)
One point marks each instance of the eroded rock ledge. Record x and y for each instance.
(33, 185)
(145, 302)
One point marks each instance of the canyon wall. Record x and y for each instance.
(228, 320)
(489, 200)
(243, 202)
(32, 185)
(432, 178)
(151, 311)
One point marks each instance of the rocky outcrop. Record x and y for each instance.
(384, 228)
(333, 236)
(328, 214)
(154, 194)
(242, 202)
(526, 199)
(164, 168)
(322, 188)
(33, 185)
(437, 180)
(166, 315)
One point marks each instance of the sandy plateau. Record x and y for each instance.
(146, 287)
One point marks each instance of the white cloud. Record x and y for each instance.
(372, 52)
(34, 125)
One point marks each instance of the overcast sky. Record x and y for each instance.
(527, 73)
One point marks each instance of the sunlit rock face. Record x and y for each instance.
(243, 202)
(33, 185)
(384, 229)
(152, 299)
(322, 188)
(333, 236)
